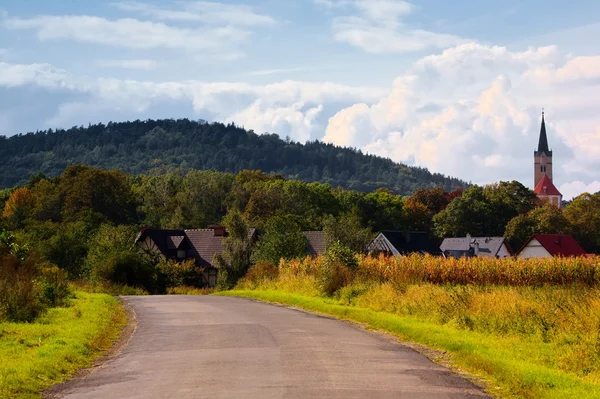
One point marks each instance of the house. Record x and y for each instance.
(485, 247)
(199, 244)
(394, 243)
(315, 243)
(551, 245)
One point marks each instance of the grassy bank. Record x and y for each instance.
(511, 367)
(526, 337)
(36, 355)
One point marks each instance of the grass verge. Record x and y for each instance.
(36, 355)
(510, 366)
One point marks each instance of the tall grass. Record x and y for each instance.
(551, 307)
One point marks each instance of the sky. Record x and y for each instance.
(455, 86)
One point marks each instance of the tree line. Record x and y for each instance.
(85, 220)
(138, 146)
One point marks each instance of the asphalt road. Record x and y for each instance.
(217, 347)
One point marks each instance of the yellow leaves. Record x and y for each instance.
(19, 203)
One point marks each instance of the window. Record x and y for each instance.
(180, 254)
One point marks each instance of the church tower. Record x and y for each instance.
(542, 163)
(542, 157)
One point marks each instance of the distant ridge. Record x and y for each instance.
(138, 146)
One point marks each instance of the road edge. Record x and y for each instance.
(58, 390)
(437, 356)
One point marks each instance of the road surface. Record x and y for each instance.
(219, 347)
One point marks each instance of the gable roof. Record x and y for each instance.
(407, 242)
(558, 245)
(315, 242)
(488, 246)
(546, 187)
(200, 244)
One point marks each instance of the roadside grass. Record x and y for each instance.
(511, 366)
(64, 340)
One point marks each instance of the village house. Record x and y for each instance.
(549, 246)
(201, 245)
(484, 247)
(394, 243)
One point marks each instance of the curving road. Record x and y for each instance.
(217, 347)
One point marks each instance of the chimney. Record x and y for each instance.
(219, 231)
(476, 246)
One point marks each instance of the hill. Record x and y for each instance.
(138, 146)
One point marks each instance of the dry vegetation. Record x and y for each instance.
(533, 313)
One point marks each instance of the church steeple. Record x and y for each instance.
(543, 142)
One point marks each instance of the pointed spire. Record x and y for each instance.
(543, 143)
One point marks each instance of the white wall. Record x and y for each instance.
(503, 252)
(534, 250)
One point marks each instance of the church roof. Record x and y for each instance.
(546, 187)
(543, 143)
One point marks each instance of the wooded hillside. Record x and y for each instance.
(138, 146)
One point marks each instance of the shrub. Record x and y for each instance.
(262, 271)
(113, 257)
(170, 274)
(21, 294)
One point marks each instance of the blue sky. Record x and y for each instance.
(453, 86)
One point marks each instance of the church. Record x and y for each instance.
(544, 187)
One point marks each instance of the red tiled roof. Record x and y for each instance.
(545, 187)
(560, 245)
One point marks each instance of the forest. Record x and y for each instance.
(138, 146)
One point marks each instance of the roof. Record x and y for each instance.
(407, 242)
(202, 244)
(546, 187)
(543, 142)
(488, 246)
(558, 245)
(315, 242)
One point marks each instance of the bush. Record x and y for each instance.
(262, 271)
(113, 257)
(171, 274)
(21, 293)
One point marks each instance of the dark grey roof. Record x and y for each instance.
(316, 243)
(200, 245)
(488, 246)
(406, 242)
(543, 143)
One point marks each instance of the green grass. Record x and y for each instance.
(34, 356)
(512, 367)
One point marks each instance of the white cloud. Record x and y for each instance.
(44, 75)
(265, 72)
(146, 65)
(202, 11)
(294, 118)
(377, 27)
(128, 33)
(574, 189)
(473, 111)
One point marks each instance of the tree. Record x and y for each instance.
(545, 220)
(484, 211)
(282, 239)
(584, 215)
(114, 257)
(19, 207)
(348, 231)
(417, 216)
(234, 262)
(434, 199)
